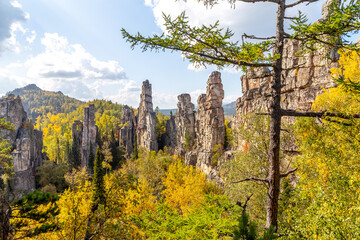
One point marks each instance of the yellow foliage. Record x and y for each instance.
(349, 65)
(74, 213)
(185, 186)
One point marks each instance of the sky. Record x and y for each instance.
(76, 47)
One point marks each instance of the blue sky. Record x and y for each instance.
(76, 47)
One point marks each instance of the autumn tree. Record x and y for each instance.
(212, 45)
(6, 169)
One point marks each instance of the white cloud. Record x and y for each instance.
(69, 68)
(254, 19)
(30, 39)
(11, 15)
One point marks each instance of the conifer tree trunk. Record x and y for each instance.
(275, 125)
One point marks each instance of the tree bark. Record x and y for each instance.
(275, 125)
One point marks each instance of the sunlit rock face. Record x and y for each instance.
(209, 126)
(146, 135)
(26, 142)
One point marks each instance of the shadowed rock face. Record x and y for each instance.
(168, 139)
(127, 130)
(145, 131)
(209, 125)
(27, 144)
(185, 123)
(88, 135)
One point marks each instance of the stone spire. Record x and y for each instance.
(185, 122)
(27, 145)
(88, 135)
(127, 130)
(146, 135)
(209, 126)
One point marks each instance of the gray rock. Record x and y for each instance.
(146, 135)
(88, 135)
(185, 124)
(27, 145)
(127, 130)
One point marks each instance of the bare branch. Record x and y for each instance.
(245, 204)
(293, 113)
(288, 173)
(255, 1)
(258, 38)
(299, 2)
(253, 179)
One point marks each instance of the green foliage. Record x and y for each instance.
(151, 168)
(335, 31)
(34, 213)
(52, 174)
(252, 161)
(5, 157)
(229, 136)
(98, 179)
(204, 45)
(188, 141)
(326, 196)
(246, 230)
(75, 156)
(38, 102)
(215, 218)
(160, 126)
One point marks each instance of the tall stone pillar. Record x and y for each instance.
(146, 135)
(89, 135)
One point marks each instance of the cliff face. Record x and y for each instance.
(88, 135)
(306, 78)
(185, 124)
(127, 130)
(145, 131)
(209, 126)
(27, 144)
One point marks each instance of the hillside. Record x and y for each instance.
(38, 102)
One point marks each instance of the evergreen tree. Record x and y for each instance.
(91, 158)
(98, 179)
(115, 151)
(135, 152)
(67, 152)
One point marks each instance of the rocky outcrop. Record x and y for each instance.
(127, 130)
(210, 128)
(77, 132)
(145, 131)
(88, 135)
(168, 139)
(305, 78)
(185, 123)
(26, 142)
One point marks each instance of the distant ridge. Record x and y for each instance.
(229, 110)
(37, 102)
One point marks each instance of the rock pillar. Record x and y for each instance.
(127, 130)
(185, 123)
(146, 135)
(89, 135)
